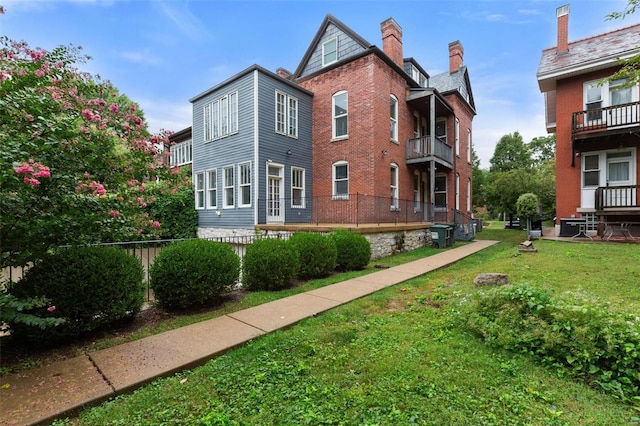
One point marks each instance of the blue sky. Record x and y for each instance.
(161, 53)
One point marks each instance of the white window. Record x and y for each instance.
(590, 170)
(341, 180)
(181, 153)
(212, 189)
(340, 112)
(619, 168)
(221, 117)
(440, 191)
(418, 77)
(457, 136)
(244, 175)
(457, 191)
(228, 183)
(599, 95)
(393, 117)
(329, 51)
(286, 115)
(416, 191)
(199, 186)
(394, 187)
(297, 188)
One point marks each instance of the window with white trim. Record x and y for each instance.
(212, 189)
(457, 136)
(590, 170)
(244, 176)
(340, 110)
(393, 118)
(221, 117)
(199, 190)
(286, 115)
(416, 191)
(329, 51)
(394, 187)
(441, 129)
(341, 180)
(469, 195)
(228, 182)
(181, 153)
(297, 188)
(440, 191)
(469, 159)
(457, 191)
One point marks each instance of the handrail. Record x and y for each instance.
(426, 146)
(617, 197)
(606, 118)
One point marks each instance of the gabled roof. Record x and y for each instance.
(452, 82)
(586, 55)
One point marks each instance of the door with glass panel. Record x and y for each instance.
(275, 192)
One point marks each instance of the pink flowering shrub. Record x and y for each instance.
(77, 159)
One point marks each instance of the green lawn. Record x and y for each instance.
(400, 357)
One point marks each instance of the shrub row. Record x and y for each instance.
(575, 335)
(94, 286)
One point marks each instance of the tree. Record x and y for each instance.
(510, 153)
(478, 182)
(542, 148)
(76, 156)
(528, 207)
(630, 68)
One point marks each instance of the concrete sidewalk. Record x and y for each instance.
(43, 394)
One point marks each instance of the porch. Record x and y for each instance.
(612, 120)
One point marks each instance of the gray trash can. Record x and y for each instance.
(440, 235)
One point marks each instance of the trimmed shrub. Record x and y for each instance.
(575, 334)
(269, 264)
(193, 272)
(354, 250)
(317, 254)
(89, 287)
(176, 211)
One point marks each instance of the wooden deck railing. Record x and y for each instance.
(617, 198)
(609, 118)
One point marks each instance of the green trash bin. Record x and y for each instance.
(440, 235)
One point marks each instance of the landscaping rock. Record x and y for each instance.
(492, 279)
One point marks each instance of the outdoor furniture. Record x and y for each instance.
(619, 228)
(581, 223)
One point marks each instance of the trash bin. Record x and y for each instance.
(440, 235)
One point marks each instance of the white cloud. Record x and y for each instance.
(184, 20)
(166, 114)
(141, 57)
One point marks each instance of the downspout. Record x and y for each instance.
(432, 166)
(256, 150)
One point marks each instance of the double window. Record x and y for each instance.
(341, 180)
(221, 117)
(181, 153)
(340, 111)
(286, 115)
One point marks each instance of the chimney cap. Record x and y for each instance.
(562, 10)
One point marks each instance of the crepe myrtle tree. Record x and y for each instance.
(76, 156)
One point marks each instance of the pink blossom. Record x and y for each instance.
(39, 73)
(133, 182)
(141, 188)
(114, 213)
(51, 308)
(30, 117)
(86, 175)
(87, 114)
(155, 224)
(24, 168)
(113, 107)
(31, 181)
(43, 171)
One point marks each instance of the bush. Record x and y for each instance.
(317, 254)
(269, 264)
(176, 211)
(193, 272)
(354, 250)
(88, 287)
(577, 336)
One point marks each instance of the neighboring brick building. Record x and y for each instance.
(375, 138)
(597, 126)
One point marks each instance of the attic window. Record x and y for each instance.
(329, 52)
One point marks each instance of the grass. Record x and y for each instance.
(398, 357)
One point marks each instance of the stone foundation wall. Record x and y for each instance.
(385, 244)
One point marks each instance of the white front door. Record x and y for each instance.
(275, 193)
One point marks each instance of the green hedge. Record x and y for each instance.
(89, 287)
(193, 272)
(269, 264)
(354, 250)
(317, 254)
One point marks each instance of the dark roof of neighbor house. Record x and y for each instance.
(586, 55)
(450, 82)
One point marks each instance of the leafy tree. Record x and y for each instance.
(478, 182)
(630, 68)
(528, 207)
(542, 148)
(510, 153)
(76, 155)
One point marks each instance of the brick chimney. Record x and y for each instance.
(456, 53)
(562, 13)
(392, 40)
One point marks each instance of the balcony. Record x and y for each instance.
(612, 120)
(617, 199)
(427, 148)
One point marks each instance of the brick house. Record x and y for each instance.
(597, 126)
(376, 139)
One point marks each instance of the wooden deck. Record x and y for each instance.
(362, 228)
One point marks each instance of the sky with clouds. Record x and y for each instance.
(161, 53)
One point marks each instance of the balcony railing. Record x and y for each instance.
(605, 119)
(617, 198)
(426, 146)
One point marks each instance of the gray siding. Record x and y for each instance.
(240, 148)
(347, 47)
